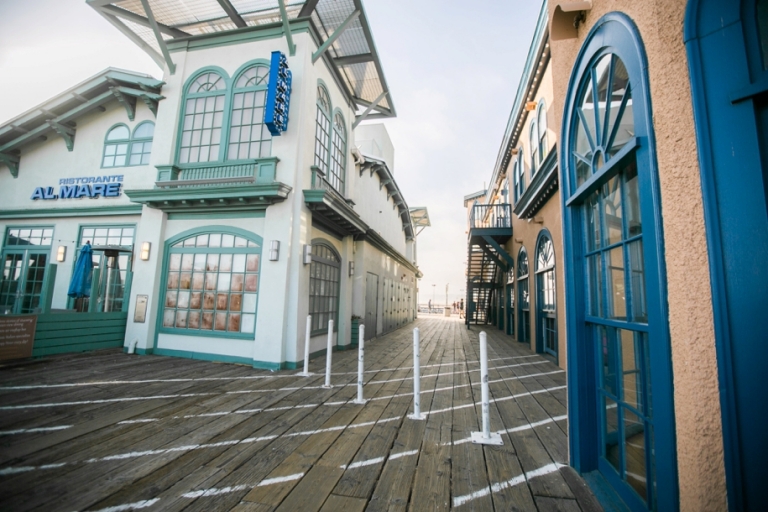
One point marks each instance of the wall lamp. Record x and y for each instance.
(61, 254)
(351, 268)
(307, 254)
(144, 254)
(274, 250)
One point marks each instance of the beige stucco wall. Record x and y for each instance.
(697, 408)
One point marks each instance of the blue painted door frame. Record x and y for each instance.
(616, 34)
(729, 88)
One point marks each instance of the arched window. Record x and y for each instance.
(116, 146)
(141, 143)
(322, 129)
(546, 323)
(203, 119)
(324, 282)
(519, 175)
(541, 126)
(248, 135)
(617, 319)
(338, 153)
(534, 140)
(211, 284)
(523, 298)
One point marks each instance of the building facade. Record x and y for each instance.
(216, 234)
(658, 113)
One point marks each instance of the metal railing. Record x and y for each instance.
(320, 183)
(491, 216)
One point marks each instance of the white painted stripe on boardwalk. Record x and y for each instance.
(145, 420)
(370, 462)
(225, 490)
(432, 365)
(521, 428)
(34, 430)
(502, 399)
(24, 469)
(186, 448)
(545, 470)
(103, 401)
(130, 506)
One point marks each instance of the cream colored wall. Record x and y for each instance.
(697, 408)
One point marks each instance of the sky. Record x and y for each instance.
(452, 68)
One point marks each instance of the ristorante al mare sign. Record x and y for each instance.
(75, 188)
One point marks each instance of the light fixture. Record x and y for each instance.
(530, 106)
(274, 250)
(307, 254)
(145, 246)
(351, 268)
(61, 254)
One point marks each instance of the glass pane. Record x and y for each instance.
(617, 302)
(119, 133)
(248, 322)
(631, 364)
(249, 302)
(634, 451)
(608, 358)
(637, 281)
(762, 29)
(593, 222)
(612, 211)
(169, 317)
(602, 71)
(632, 195)
(610, 432)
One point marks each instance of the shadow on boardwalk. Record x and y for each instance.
(108, 431)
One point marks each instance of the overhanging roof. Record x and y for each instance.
(59, 113)
(341, 25)
(380, 167)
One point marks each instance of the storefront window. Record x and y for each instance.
(112, 258)
(324, 280)
(546, 329)
(524, 299)
(322, 129)
(25, 257)
(211, 284)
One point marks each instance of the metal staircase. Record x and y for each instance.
(490, 227)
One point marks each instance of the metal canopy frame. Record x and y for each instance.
(340, 27)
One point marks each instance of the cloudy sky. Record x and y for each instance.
(452, 67)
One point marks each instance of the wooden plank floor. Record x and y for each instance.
(105, 431)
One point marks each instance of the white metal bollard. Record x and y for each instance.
(485, 437)
(306, 373)
(360, 365)
(328, 356)
(416, 378)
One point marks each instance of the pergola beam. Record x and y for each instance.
(353, 59)
(287, 28)
(158, 36)
(232, 13)
(368, 110)
(333, 37)
(308, 7)
(119, 25)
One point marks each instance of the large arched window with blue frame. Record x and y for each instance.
(523, 298)
(248, 135)
(620, 386)
(546, 320)
(203, 118)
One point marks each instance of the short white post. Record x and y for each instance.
(416, 378)
(485, 437)
(328, 356)
(360, 365)
(306, 373)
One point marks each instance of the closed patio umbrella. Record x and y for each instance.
(80, 285)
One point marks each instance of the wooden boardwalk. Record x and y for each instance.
(112, 432)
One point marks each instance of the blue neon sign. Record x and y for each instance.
(278, 94)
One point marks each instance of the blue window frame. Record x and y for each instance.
(523, 298)
(617, 326)
(141, 143)
(546, 298)
(211, 283)
(533, 138)
(519, 175)
(116, 145)
(541, 129)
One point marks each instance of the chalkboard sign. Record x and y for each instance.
(17, 335)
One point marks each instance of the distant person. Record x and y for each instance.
(429, 305)
(461, 309)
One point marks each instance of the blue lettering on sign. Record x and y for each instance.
(73, 188)
(278, 94)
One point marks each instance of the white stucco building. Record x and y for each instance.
(228, 235)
